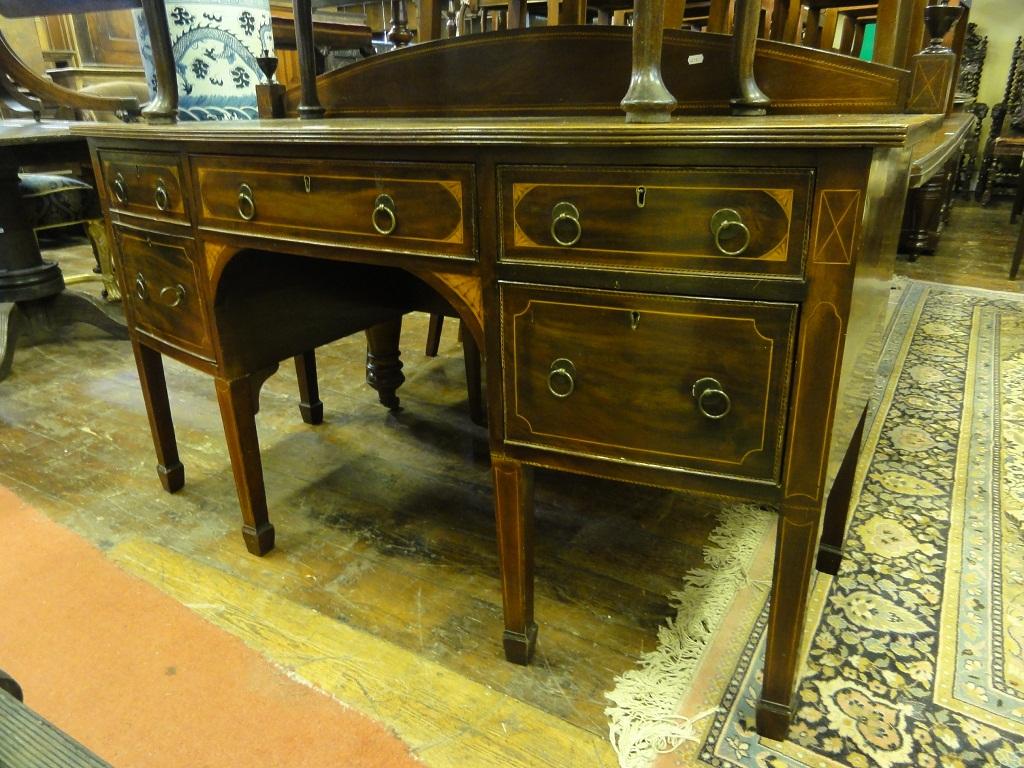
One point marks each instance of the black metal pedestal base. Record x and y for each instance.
(46, 315)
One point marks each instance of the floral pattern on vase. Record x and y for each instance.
(215, 46)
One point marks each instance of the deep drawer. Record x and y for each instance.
(384, 206)
(746, 221)
(147, 183)
(698, 384)
(161, 283)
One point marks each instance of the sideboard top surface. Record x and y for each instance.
(776, 130)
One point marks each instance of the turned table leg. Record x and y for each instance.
(383, 361)
(237, 400)
(158, 409)
(513, 504)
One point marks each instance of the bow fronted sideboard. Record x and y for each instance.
(689, 303)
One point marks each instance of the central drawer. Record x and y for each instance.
(685, 383)
(737, 220)
(402, 207)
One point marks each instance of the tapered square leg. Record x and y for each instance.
(474, 383)
(310, 407)
(154, 392)
(794, 551)
(837, 508)
(236, 400)
(513, 504)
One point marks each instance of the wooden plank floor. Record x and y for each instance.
(385, 530)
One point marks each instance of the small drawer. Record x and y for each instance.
(743, 221)
(161, 282)
(382, 206)
(146, 183)
(684, 383)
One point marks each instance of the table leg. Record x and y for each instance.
(474, 385)
(10, 326)
(513, 504)
(158, 409)
(383, 361)
(1018, 254)
(794, 550)
(310, 406)
(237, 399)
(837, 508)
(1018, 198)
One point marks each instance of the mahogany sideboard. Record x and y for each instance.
(680, 304)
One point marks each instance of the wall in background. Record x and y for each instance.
(1002, 21)
(22, 35)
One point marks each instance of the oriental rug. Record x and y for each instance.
(915, 650)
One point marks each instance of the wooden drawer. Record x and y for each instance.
(684, 383)
(383, 206)
(147, 183)
(161, 279)
(656, 219)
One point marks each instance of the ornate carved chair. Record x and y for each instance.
(1005, 145)
(972, 62)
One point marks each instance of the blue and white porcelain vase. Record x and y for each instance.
(215, 43)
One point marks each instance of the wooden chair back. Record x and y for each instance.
(24, 92)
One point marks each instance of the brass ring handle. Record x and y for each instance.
(384, 205)
(726, 218)
(562, 378)
(173, 295)
(246, 203)
(707, 390)
(563, 212)
(120, 189)
(141, 289)
(160, 198)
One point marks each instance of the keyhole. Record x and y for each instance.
(634, 319)
(641, 196)
(307, 183)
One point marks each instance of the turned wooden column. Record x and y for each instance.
(648, 100)
(748, 99)
(309, 106)
(164, 106)
(399, 33)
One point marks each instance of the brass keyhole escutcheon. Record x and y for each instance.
(712, 401)
(562, 378)
(384, 217)
(727, 224)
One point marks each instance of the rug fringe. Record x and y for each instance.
(643, 720)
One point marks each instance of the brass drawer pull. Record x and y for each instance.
(712, 401)
(246, 203)
(562, 378)
(566, 212)
(384, 208)
(141, 289)
(173, 295)
(120, 189)
(160, 198)
(723, 220)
